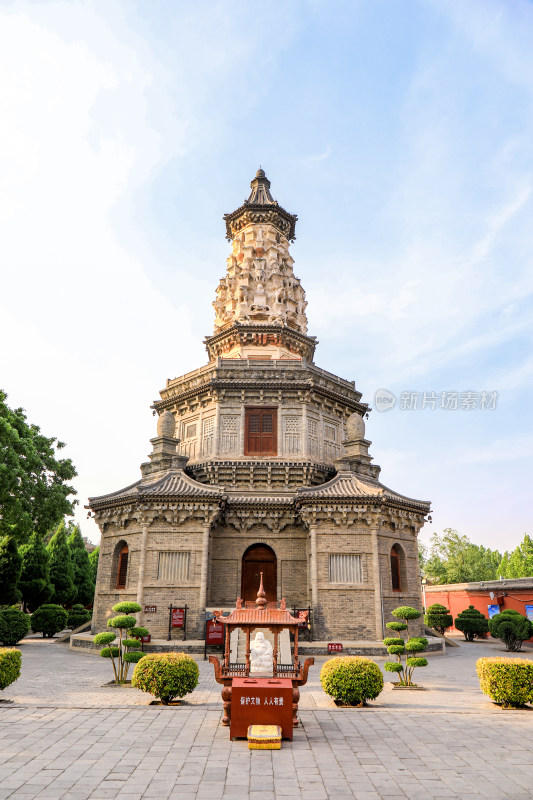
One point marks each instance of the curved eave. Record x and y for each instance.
(173, 487)
(258, 208)
(347, 487)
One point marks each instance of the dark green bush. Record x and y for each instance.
(77, 616)
(351, 679)
(511, 627)
(14, 626)
(166, 675)
(49, 619)
(438, 617)
(472, 623)
(507, 681)
(10, 662)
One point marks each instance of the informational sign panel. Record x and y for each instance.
(214, 632)
(493, 610)
(150, 609)
(529, 612)
(334, 647)
(178, 617)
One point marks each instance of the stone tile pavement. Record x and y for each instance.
(67, 738)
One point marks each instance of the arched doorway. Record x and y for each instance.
(259, 558)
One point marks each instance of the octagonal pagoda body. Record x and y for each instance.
(260, 465)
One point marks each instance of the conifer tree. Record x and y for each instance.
(61, 568)
(93, 561)
(82, 569)
(10, 568)
(34, 581)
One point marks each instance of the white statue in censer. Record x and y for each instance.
(261, 656)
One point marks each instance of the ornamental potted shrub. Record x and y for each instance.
(507, 681)
(511, 627)
(125, 651)
(472, 623)
(397, 646)
(351, 680)
(166, 675)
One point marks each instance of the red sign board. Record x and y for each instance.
(261, 701)
(214, 633)
(334, 647)
(146, 638)
(150, 609)
(178, 617)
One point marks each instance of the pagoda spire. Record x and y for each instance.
(260, 194)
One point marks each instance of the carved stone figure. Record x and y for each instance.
(261, 656)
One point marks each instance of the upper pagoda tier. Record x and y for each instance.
(260, 303)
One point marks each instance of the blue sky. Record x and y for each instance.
(400, 133)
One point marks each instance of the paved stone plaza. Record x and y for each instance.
(67, 737)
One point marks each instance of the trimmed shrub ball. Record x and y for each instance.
(507, 681)
(351, 680)
(10, 662)
(14, 626)
(166, 675)
(49, 619)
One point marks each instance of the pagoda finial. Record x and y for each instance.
(261, 600)
(260, 194)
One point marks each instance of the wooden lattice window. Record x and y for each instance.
(260, 437)
(395, 570)
(122, 569)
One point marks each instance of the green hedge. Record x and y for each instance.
(507, 681)
(14, 626)
(166, 675)
(351, 679)
(10, 662)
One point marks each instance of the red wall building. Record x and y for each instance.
(489, 597)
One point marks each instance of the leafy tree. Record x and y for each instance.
(455, 559)
(34, 493)
(83, 580)
(34, 581)
(10, 569)
(518, 563)
(61, 568)
(472, 623)
(93, 561)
